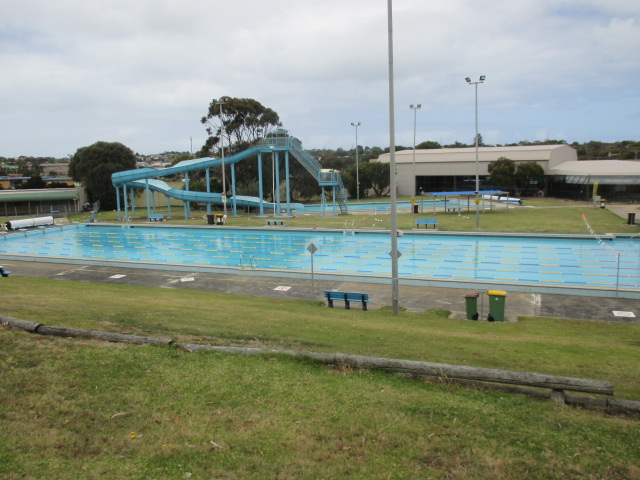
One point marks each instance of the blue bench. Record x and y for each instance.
(4, 273)
(275, 222)
(426, 222)
(155, 217)
(347, 297)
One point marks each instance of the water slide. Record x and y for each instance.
(142, 177)
(204, 197)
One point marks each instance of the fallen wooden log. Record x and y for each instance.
(438, 370)
(21, 324)
(98, 335)
(622, 404)
(443, 370)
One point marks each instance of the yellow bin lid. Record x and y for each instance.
(502, 293)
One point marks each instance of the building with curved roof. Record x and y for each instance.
(454, 169)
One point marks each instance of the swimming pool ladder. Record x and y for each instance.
(352, 228)
(244, 264)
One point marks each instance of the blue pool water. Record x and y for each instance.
(539, 261)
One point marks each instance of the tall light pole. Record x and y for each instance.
(415, 109)
(475, 84)
(357, 124)
(221, 102)
(395, 294)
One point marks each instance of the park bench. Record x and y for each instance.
(426, 222)
(275, 222)
(155, 217)
(347, 297)
(4, 273)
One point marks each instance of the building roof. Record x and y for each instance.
(596, 167)
(485, 154)
(612, 172)
(554, 159)
(36, 195)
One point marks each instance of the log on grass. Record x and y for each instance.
(437, 370)
(25, 325)
(98, 335)
(621, 404)
(443, 370)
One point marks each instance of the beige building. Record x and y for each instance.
(454, 169)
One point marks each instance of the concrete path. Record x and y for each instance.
(412, 298)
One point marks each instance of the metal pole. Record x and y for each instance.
(357, 172)
(477, 166)
(392, 167)
(415, 113)
(477, 200)
(618, 274)
(313, 283)
(221, 102)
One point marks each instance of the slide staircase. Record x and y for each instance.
(322, 176)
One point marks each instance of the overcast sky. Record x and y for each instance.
(143, 72)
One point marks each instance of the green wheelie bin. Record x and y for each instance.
(472, 305)
(497, 300)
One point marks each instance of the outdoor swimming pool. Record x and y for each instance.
(531, 263)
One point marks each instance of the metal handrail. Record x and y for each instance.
(244, 264)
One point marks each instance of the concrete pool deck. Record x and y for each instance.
(412, 298)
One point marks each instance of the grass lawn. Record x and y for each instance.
(82, 409)
(546, 217)
(74, 408)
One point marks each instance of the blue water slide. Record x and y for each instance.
(121, 178)
(203, 197)
(143, 177)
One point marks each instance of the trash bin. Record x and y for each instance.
(211, 218)
(219, 220)
(415, 208)
(497, 300)
(472, 305)
(631, 218)
(603, 203)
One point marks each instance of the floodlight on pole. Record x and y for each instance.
(477, 200)
(415, 109)
(221, 102)
(357, 124)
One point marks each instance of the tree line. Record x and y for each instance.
(236, 124)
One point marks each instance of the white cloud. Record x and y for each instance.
(143, 72)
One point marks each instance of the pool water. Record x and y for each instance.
(543, 261)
